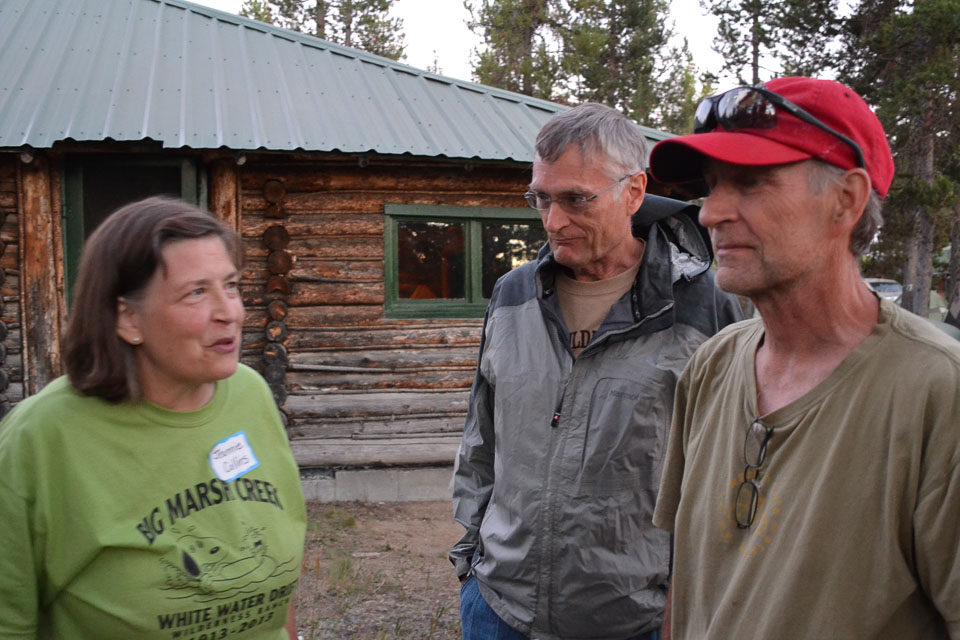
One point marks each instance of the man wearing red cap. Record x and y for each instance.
(812, 477)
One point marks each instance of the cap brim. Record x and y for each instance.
(680, 160)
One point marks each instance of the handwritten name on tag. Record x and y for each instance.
(232, 457)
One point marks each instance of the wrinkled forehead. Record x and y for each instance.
(714, 170)
(585, 157)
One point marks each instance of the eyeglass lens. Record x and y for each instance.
(755, 444)
(748, 496)
(754, 453)
(740, 108)
(542, 202)
(703, 120)
(573, 204)
(745, 108)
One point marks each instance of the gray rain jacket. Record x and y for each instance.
(561, 457)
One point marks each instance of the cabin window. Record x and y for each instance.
(94, 187)
(442, 261)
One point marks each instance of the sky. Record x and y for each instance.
(436, 30)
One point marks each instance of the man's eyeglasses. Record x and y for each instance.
(573, 204)
(754, 452)
(756, 108)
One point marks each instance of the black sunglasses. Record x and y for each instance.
(754, 453)
(756, 108)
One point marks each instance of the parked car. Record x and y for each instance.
(948, 329)
(892, 290)
(936, 309)
(889, 289)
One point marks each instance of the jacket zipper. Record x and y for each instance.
(593, 345)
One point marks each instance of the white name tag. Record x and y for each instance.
(232, 457)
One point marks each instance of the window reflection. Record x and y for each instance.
(431, 260)
(506, 246)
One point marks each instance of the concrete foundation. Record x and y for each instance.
(377, 485)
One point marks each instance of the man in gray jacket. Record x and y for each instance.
(562, 450)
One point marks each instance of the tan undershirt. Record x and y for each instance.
(585, 304)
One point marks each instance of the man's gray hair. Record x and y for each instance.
(600, 131)
(821, 175)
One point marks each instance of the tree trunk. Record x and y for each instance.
(925, 228)
(919, 269)
(953, 278)
(533, 12)
(320, 17)
(924, 232)
(755, 42)
(41, 281)
(347, 17)
(910, 266)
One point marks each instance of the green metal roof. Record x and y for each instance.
(188, 76)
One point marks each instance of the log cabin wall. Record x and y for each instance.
(357, 389)
(11, 369)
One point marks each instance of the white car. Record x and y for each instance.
(889, 289)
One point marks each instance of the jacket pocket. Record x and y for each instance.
(622, 439)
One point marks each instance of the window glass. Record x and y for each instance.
(95, 186)
(431, 260)
(441, 261)
(506, 246)
(110, 186)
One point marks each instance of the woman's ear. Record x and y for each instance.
(128, 326)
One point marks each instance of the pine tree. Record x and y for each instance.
(797, 33)
(808, 32)
(745, 33)
(617, 52)
(678, 95)
(362, 24)
(520, 51)
(903, 58)
(257, 10)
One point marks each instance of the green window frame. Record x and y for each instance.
(473, 304)
(193, 189)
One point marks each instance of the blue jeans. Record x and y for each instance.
(479, 622)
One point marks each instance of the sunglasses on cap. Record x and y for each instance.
(756, 108)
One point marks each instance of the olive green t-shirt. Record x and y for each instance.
(132, 521)
(857, 532)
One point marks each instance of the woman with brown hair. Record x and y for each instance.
(151, 492)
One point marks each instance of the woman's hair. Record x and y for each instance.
(118, 261)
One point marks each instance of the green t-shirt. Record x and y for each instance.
(132, 521)
(857, 534)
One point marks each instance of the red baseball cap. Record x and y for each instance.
(680, 159)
